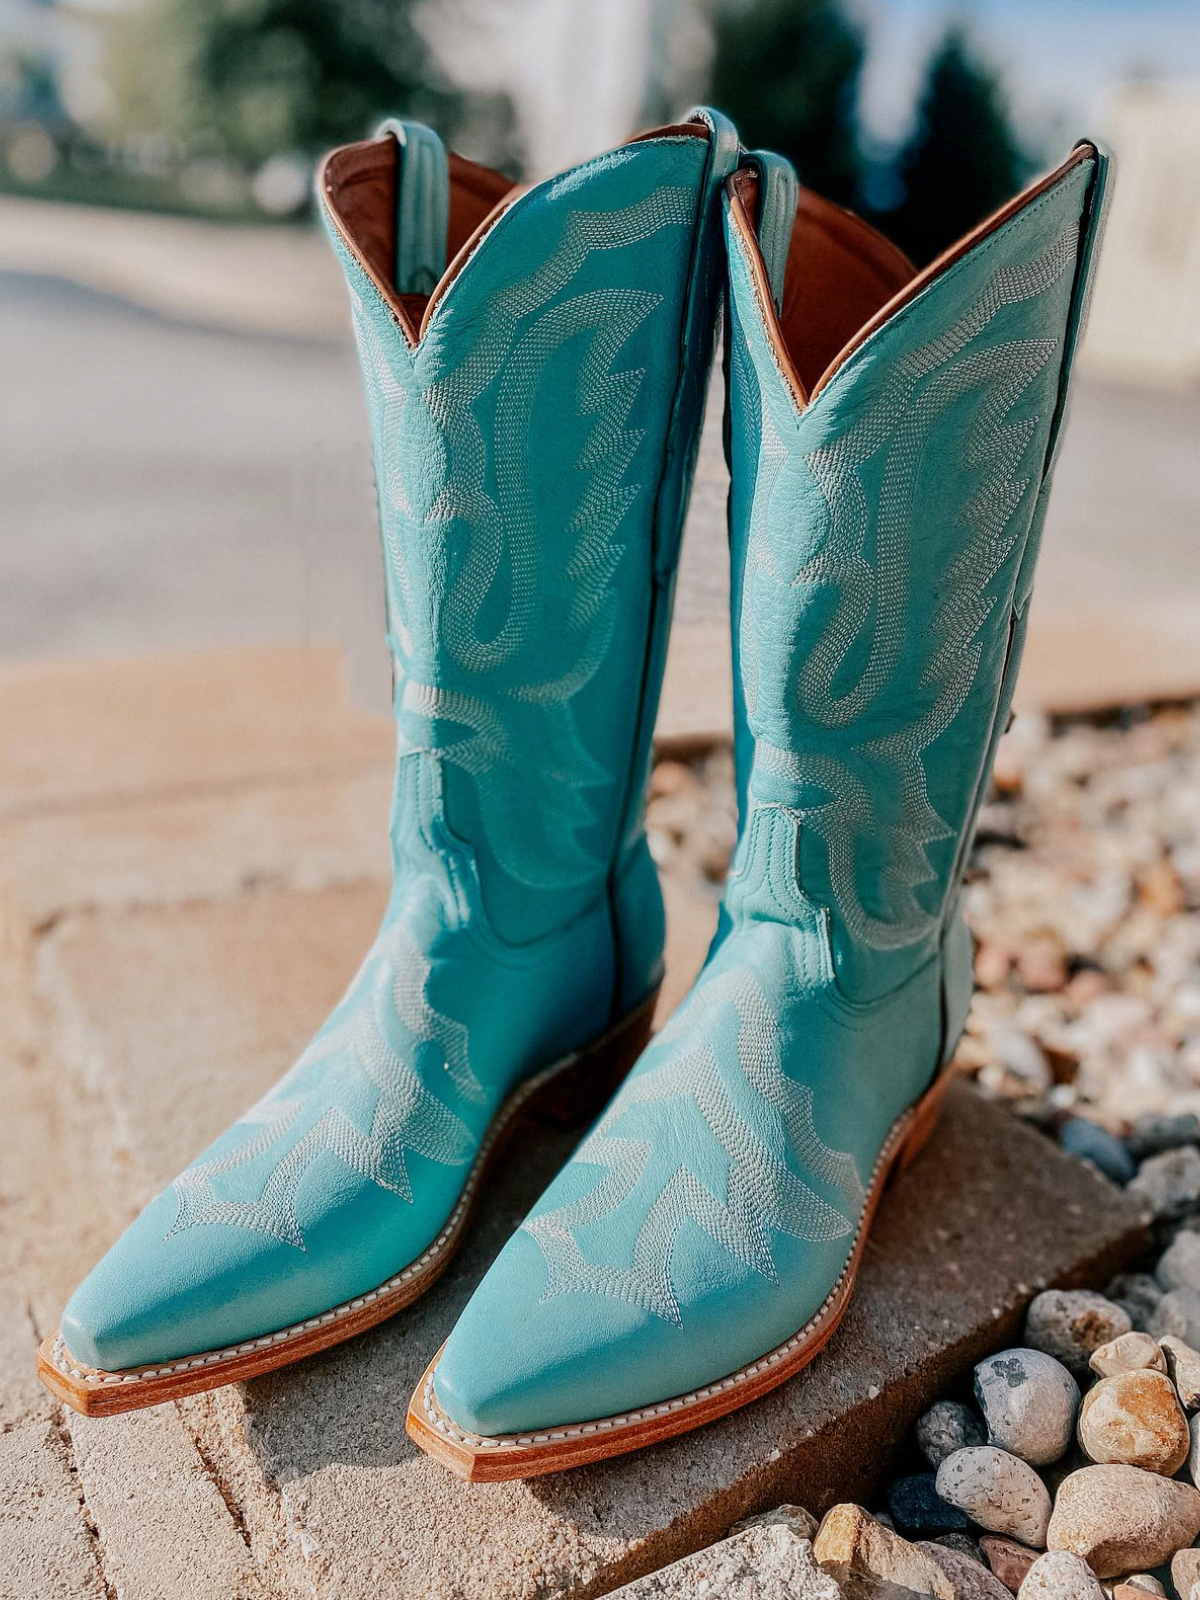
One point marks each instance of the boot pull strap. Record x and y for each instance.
(724, 145)
(422, 205)
(778, 193)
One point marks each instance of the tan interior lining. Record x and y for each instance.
(839, 272)
(359, 183)
(844, 279)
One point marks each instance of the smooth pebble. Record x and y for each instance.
(1183, 1365)
(1135, 1418)
(998, 1491)
(1177, 1316)
(1158, 1131)
(1104, 1150)
(916, 1508)
(1121, 1519)
(1185, 1573)
(948, 1426)
(1179, 1265)
(1130, 1353)
(1169, 1183)
(1029, 1402)
(1009, 1560)
(971, 1579)
(1059, 1575)
(1069, 1324)
(1139, 1293)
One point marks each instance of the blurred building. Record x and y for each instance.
(1145, 324)
(583, 75)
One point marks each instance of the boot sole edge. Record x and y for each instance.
(570, 1089)
(479, 1459)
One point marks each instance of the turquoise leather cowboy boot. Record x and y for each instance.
(535, 365)
(892, 437)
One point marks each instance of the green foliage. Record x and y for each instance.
(962, 160)
(787, 72)
(243, 80)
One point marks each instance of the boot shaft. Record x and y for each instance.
(893, 439)
(533, 423)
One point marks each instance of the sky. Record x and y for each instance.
(1060, 59)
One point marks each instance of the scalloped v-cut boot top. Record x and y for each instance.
(535, 363)
(892, 437)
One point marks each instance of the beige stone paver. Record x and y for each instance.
(765, 1563)
(22, 1398)
(163, 1527)
(79, 734)
(46, 1549)
(167, 851)
(184, 1016)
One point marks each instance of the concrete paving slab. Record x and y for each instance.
(61, 1182)
(312, 833)
(22, 1397)
(46, 1551)
(87, 735)
(164, 1529)
(181, 1017)
(766, 1563)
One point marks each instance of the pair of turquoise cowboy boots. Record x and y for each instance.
(535, 364)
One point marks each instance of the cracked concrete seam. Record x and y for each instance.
(83, 1484)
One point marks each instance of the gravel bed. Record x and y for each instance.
(1084, 896)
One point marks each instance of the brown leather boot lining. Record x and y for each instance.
(359, 184)
(844, 279)
(839, 272)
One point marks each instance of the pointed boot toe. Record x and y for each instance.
(158, 1298)
(493, 1377)
(130, 1309)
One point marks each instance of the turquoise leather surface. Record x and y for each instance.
(881, 537)
(532, 456)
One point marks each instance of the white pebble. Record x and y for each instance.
(998, 1491)
(1058, 1575)
(1179, 1265)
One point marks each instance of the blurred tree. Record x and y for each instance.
(787, 72)
(246, 80)
(963, 159)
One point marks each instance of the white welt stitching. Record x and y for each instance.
(438, 1419)
(67, 1364)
